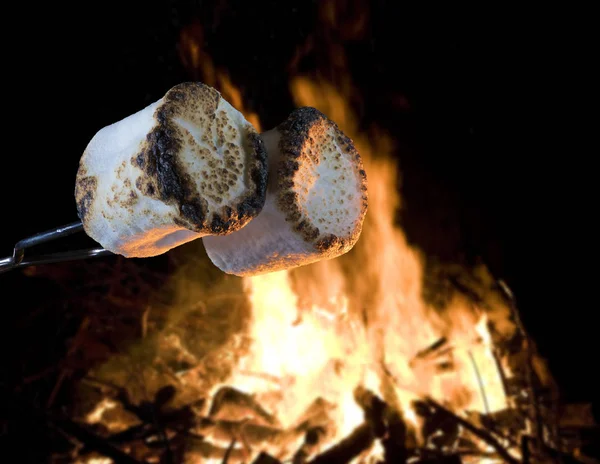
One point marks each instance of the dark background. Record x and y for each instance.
(495, 151)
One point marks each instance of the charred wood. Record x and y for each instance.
(155, 412)
(264, 458)
(136, 432)
(360, 440)
(228, 452)
(525, 454)
(92, 441)
(482, 434)
(230, 403)
(316, 415)
(374, 409)
(210, 451)
(528, 349)
(437, 348)
(386, 423)
(394, 443)
(451, 459)
(312, 442)
(509, 420)
(243, 430)
(439, 431)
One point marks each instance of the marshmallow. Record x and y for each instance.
(186, 166)
(315, 206)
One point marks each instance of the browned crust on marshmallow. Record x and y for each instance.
(85, 193)
(165, 176)
(298, 146)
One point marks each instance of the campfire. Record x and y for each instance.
(346, 360)
(302, 382)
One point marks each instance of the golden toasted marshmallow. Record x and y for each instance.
(315, 206)
(186, 166)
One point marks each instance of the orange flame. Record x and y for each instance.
(354, 325)
(198, 62)
(96, 461)
(97, 413)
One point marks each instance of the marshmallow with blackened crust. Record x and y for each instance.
(186, 166)
(315, 206)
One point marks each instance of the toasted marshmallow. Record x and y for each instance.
(186, 166)
(316, 201)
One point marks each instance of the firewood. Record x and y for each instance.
(230, 403)
(434, 422)
(394, 443)
(361, 439)
(264, 458)
(227, 430)
(153, 412)
(432, 350)
(209, 451)
(316, 415)
(136, 432)
(374, 409)
(529, 353)
(312, 441)
(92, 441)
(482, 434)
(451, 459)
(228, 452)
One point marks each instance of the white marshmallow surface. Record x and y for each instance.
(316, 201)
(186, 166)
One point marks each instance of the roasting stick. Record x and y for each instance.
(19, 260)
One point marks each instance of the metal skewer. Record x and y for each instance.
(18, 259)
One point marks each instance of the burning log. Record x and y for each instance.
(154, 413)
(374, 409)
(435, 349)
(439, 354)
(264, 458)
(394, 443)
(318, 427)
(482, 434)
(451, 459)
(92, 441)
(387, 423)
(210, 451)
(229, 403)
(137, 432)
(316, 415)
(360, 440)
(439, 431)
(376, 412)
(229, 451)
(249, 433)
(528, 349)
(312, 440)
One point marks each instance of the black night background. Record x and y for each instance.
(487, 109)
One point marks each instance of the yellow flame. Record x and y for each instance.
(389, 280)
(96, 461)
(196, 60)
(359, 319)
(96, 414)
(319, 356)
(391, 273)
